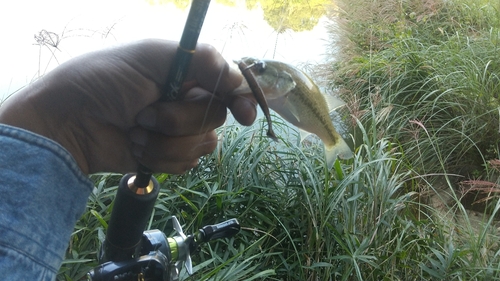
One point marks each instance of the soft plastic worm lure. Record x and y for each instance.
(258, 93)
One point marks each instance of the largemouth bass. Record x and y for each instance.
(295, 97)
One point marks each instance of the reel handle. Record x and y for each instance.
(224, 229)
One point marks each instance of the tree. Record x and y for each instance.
(282, 15)
(295, 15)
(180, 4)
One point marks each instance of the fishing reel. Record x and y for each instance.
(161, 257)
(130, 253)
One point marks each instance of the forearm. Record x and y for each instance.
(43, 194)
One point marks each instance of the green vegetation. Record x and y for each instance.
(281, 15)
(421, 79)
(293, 15)
(296, 215)
(430, 69)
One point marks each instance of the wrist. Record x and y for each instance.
(23, 110)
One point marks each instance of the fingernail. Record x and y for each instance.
(147, 117)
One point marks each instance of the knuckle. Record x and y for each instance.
(207, 49)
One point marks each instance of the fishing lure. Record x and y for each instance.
(257, 91)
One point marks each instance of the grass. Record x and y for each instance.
(424, 76)
(421, 79)
(300, 221)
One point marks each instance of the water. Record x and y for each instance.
(75, 27)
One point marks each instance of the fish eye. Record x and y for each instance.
(261, 66)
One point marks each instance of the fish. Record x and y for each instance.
(296, 98)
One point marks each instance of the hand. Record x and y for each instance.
(103, 108)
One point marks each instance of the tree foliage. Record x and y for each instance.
(179, 4)
(295, 15)
(283, 15)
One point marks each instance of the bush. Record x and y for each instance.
(442, 84)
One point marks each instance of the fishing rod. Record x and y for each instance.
(128, 250)
(179, 68)
(136, 194)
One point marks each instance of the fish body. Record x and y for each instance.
(295, 97)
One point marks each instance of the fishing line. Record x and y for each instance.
(211, 101)
(214, 91)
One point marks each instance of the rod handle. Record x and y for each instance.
(132, 208)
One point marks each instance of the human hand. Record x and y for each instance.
(103, 108)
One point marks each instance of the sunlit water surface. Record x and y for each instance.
(83, 26)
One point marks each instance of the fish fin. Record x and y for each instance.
(333, 102)
(280, 106)
(340, 149)
(303, 134)
(292, 109)
(292, 85)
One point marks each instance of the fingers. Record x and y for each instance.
(208, 70)
(173, 135)
(198, 113)
(153, 58)
(243, 108)
(223, 80)
(213, 72)
(173, 155)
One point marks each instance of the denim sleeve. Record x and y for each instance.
(42, 195)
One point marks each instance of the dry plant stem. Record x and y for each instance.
(259, 96)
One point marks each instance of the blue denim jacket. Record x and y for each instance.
(42, 195)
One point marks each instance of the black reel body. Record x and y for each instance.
(161, 257)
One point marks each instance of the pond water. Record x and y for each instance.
(71, 27)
